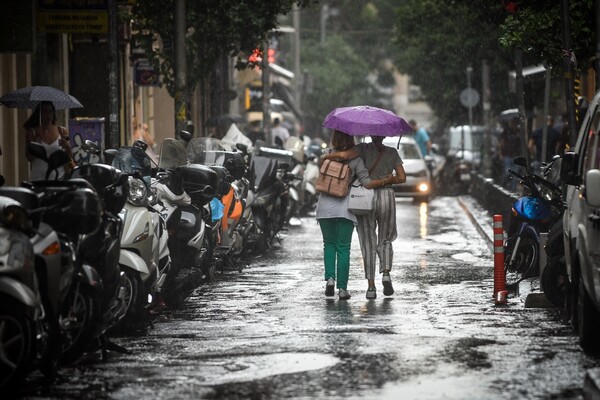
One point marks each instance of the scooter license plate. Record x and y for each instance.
(465, 177)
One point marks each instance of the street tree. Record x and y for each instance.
(338, 78)
(536, 27)
(436, 40)
(214, 28)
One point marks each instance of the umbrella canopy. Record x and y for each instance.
(366, 121)
(31, 96)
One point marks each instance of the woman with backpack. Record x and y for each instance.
(337, 223)
(377, 229)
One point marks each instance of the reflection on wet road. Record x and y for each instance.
(270, 333)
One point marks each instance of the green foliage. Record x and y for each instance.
(214, 28)
(357, 44)
(338, 76)
(537, 29)
(438, 39)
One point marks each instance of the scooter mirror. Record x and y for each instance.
(185, 135)
(140, 144)
(90, 147)
(520, 161)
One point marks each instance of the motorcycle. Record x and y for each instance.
(184, 222)
(21, 307)
(535, 212)
(268, 196)
(228, 205)
(144, 255)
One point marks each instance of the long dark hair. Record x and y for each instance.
(341, 141)
(35, 119)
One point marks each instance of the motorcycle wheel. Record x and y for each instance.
(135, 298)
(78, 320)
(525, 262)
(554, 282)
(16, 344)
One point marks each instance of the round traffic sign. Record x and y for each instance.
(469, 97)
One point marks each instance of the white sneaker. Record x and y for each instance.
(344, 295)
(330, 287)
(371, 294)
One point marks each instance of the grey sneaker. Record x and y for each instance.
(388, 289)
(344, 295)
(371, 293)
(330, 287)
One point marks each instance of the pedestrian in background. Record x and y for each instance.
(421, 137)
(534, 144)
(41, 127)
(377, 229)
(337, 223)
(509, 146)
(279, 134)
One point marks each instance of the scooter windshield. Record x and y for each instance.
(133, 161)
(207, 151)
(172, 154)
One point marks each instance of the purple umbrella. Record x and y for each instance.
(366, 121)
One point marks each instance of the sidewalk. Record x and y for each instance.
(529, 292)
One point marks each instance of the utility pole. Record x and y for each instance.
(597, 62)
(487, 135)
(521, 100)
(568, 65)
(324, 16)
(180, 68)
(266, 89)
(297, 73)
(114, 140)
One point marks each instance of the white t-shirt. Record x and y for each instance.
(280, 132)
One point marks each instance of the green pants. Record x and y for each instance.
(337, 239)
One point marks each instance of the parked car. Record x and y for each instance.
(580, 170)
(418, 175)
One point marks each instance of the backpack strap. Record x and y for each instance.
(376, 162)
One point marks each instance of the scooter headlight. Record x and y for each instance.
(16, 250)
(137, 191)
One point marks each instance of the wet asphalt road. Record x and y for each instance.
(270, 333)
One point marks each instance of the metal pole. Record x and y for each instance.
(324, 15)
(487, 138)
(114, 140)
(266, 86)
(521, 99)
(180, 68)
(546, 108)
(597, 62)
(569, 91)
(297, 73)
(469, 71)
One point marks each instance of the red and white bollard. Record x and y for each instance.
(500, 292)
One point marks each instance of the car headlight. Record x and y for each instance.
(137, 191)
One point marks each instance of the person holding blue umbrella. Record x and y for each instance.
(377, 229)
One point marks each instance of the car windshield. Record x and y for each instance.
(409, 151)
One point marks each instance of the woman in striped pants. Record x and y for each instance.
(377, 230)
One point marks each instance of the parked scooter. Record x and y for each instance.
(228, 205)
(21, 308)
(184, 222)
(535, 212)
(144, 255)
(267, 197)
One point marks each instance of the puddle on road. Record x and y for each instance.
(250, 368)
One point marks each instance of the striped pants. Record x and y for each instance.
(377, 231)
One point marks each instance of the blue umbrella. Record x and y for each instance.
(31, 96)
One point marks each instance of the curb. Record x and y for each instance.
(476, 222)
